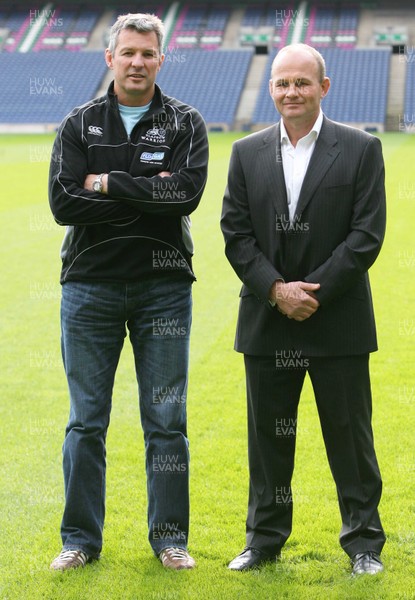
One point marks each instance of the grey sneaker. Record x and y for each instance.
(176, 558)
(69, 559)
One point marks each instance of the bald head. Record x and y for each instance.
(301, 50)
(297, 85)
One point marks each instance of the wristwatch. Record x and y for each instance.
(97, 185)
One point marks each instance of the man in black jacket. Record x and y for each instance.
(303, 220)
(127, 169)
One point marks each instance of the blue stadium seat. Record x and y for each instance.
(49, 85)
(212, 81)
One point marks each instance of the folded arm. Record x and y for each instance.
(176, 192)
(70, 202)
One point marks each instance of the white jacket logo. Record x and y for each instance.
(95, 130)
(157, 134)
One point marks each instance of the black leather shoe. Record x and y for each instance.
(367, 562)
(250, 558)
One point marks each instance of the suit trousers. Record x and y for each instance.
(343, 396)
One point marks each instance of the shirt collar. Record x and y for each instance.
(315, 128)
(156, 104)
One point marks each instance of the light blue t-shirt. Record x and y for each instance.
(132, 114)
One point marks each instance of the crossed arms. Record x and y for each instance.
(73, 202)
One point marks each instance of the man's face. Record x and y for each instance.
(295, 87)
(135, 61)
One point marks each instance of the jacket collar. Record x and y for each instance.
(157, 103)
(271, 162)
(324, 154)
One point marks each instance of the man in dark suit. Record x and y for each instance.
(303, 220)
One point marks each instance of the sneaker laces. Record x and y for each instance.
(67, 555)
(173, 554)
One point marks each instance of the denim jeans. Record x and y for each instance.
(94, 319)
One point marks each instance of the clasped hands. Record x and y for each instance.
(295, 299)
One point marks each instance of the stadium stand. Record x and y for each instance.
(49, 85)
(213, 33)
(266, 25)
(69, 29)
(82, 29)
(253, 16)
(210, 81)
(346, 33)
(15, 20)
(200, 27)
(408, 121)
(188, 27)
(212, 57)
(58, 28)
(321, 26)
(358, 93)
(332, 26)
(359, 85)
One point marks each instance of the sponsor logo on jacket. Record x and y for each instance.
(151, 156)
(156, 134)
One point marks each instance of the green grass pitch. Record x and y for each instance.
(34, 408)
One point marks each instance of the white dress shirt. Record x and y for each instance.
(295, 161)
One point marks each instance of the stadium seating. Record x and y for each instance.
(321, 26)
(59, 28)
(188, 28)
(253, 16)
(210, 81)
(82, 29)
(358, 93)
(214, 29)
(331, 26)
(16, 20)
(266, 24)
(49, 85)
(56, 30)
(408, 121)
(359, 85)
(346, 32)
(200, 27)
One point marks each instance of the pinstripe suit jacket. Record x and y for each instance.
(336, 235)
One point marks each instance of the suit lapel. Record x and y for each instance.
(325, 153)
(271, 159)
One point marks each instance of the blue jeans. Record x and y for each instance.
(95, 318)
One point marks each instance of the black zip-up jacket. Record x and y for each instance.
(141, 228)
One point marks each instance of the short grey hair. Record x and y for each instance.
(321, 63)
(141, 22)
